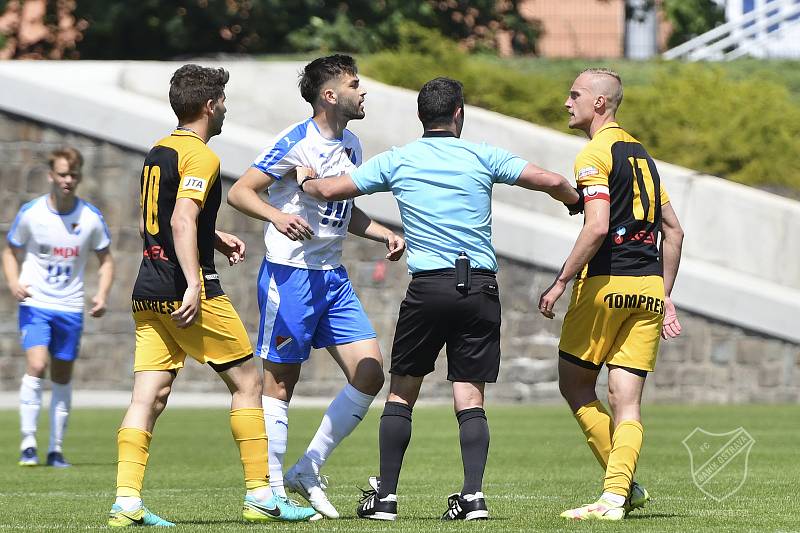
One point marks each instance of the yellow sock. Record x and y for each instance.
(597, 425)
(247, 426)
(625, 446)
(132, 444)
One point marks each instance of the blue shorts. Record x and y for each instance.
(301, 308)
(60, 331)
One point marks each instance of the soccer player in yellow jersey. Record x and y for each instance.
(620, 300)
(179, 307)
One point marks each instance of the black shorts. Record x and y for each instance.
(434, 313)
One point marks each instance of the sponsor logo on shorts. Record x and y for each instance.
(211, 276)
(157, 306)
(281, 341)
(615, 300)
(194, 184)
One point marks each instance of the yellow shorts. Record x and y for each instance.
(614, 320)
(217, 336)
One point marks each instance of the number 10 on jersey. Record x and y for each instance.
(151, 176)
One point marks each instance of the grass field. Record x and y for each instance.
(539, 465)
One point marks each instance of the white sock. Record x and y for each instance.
(60, 405)
(128, 503)
(261, 493)
(30, 402)
(276, 420)
(615, 499)
(344, 413)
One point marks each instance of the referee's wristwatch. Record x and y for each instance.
(575, 208)
(303, 182)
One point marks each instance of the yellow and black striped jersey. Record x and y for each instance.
(178, 166)
(615, 167)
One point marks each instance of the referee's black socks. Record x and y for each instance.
(394, 436)
(473, 431)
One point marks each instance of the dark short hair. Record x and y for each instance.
(438, 100)
(192, 86)
(322, 70)
(70, 154)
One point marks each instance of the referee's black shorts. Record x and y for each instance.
(434, 313)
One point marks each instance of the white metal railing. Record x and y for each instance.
(738, 37)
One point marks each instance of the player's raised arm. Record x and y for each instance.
(244, 196)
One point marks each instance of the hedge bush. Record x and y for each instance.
(735, 120)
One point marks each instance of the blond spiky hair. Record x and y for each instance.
(612, 90)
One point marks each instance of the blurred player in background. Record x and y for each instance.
(305, 296)
(620, 300)
(443, 187)
(52, 238)
(179, 306)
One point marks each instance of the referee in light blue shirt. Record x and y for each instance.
(443, 187)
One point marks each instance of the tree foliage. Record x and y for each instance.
(690, 18)
(154, 29)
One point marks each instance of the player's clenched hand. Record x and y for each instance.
(549, 298)
(98, 306)
(293, 226)
(396, 246)
(185, 315)
(301, 173)
(19, 291)
(671, 327)
(231, 246)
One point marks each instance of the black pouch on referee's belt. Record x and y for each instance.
(463, 272)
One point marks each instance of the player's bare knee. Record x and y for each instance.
(36, 369)
(369, 377)
(159, 402)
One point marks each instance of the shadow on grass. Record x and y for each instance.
(654, 515)
(210, 522)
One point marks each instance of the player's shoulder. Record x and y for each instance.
(91, 209)
(33, 204)
(350, 138)
(294, 133)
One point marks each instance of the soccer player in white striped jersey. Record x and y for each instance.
(48, 246)
(305, 297)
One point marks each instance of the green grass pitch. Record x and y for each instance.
(539, 465)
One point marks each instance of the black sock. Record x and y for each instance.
(473, 431)
(394, 436)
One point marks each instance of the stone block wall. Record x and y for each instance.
(710, 362)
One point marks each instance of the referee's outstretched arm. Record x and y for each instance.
(328, 189)
(556, 185)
